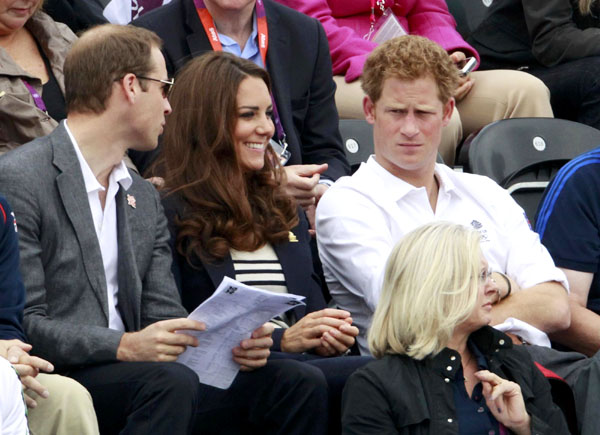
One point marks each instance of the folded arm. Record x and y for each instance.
(544, 306)
(582, 335)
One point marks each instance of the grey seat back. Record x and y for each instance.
(523, 154)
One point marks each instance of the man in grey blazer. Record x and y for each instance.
(101, 301)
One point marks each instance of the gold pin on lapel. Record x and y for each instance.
(131, 200)
(292, 237)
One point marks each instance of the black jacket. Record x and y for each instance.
(536, 33)
(198, 281)
(401, 395)
(298, 62)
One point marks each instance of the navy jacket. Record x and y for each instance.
(198, 281)
(12, 292)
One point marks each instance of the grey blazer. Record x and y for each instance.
(66, 310)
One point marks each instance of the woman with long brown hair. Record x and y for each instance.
(229, 215)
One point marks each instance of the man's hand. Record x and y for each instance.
(13, 349)
(311, 210)
(464, 83)
(27, 366)
(302, 182)
(159, 341)
(253, 352)
(329, 332)
(158, 182)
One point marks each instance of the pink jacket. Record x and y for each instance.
(347, 21)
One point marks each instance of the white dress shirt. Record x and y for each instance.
(105, 223)
(361, 218)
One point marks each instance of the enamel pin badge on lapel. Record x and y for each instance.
(131, 200)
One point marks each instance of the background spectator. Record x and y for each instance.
(568, 222)
(558, 41)
(33, 48)
(81, 14)
(481, 97)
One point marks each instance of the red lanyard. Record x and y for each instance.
(213, 37)
(372, 19)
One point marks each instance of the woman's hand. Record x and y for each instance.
(253, 352)
(465, 83)
(328, 332)
(505, 401)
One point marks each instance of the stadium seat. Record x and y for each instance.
(523, 154)
(357, 137)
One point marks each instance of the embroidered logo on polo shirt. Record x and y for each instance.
(482, 231)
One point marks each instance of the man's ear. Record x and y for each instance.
(369, 109)
(448, 109)
(127, 85)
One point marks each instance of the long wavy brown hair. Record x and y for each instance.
(223, 206)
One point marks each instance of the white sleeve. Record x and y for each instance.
(13, 414)
(354, 242)
(528, 262)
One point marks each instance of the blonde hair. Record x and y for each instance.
(409, 57)
(585, 6)
(430, 286)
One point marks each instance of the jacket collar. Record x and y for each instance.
(487, 339)
(71, 189)
(52, 42)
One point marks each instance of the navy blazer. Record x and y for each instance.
(298, 62)
(12, 292)
(198, 281)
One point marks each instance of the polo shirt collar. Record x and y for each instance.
(396, 188)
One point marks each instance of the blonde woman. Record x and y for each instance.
(440, 367)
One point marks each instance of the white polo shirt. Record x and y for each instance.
(105, 224)
(361, 218)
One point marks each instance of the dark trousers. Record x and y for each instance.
(284, 397)
(574, 89)
(142, 397)
(336, 370)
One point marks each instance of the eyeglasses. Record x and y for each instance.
(166, 87)
(485, 275)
